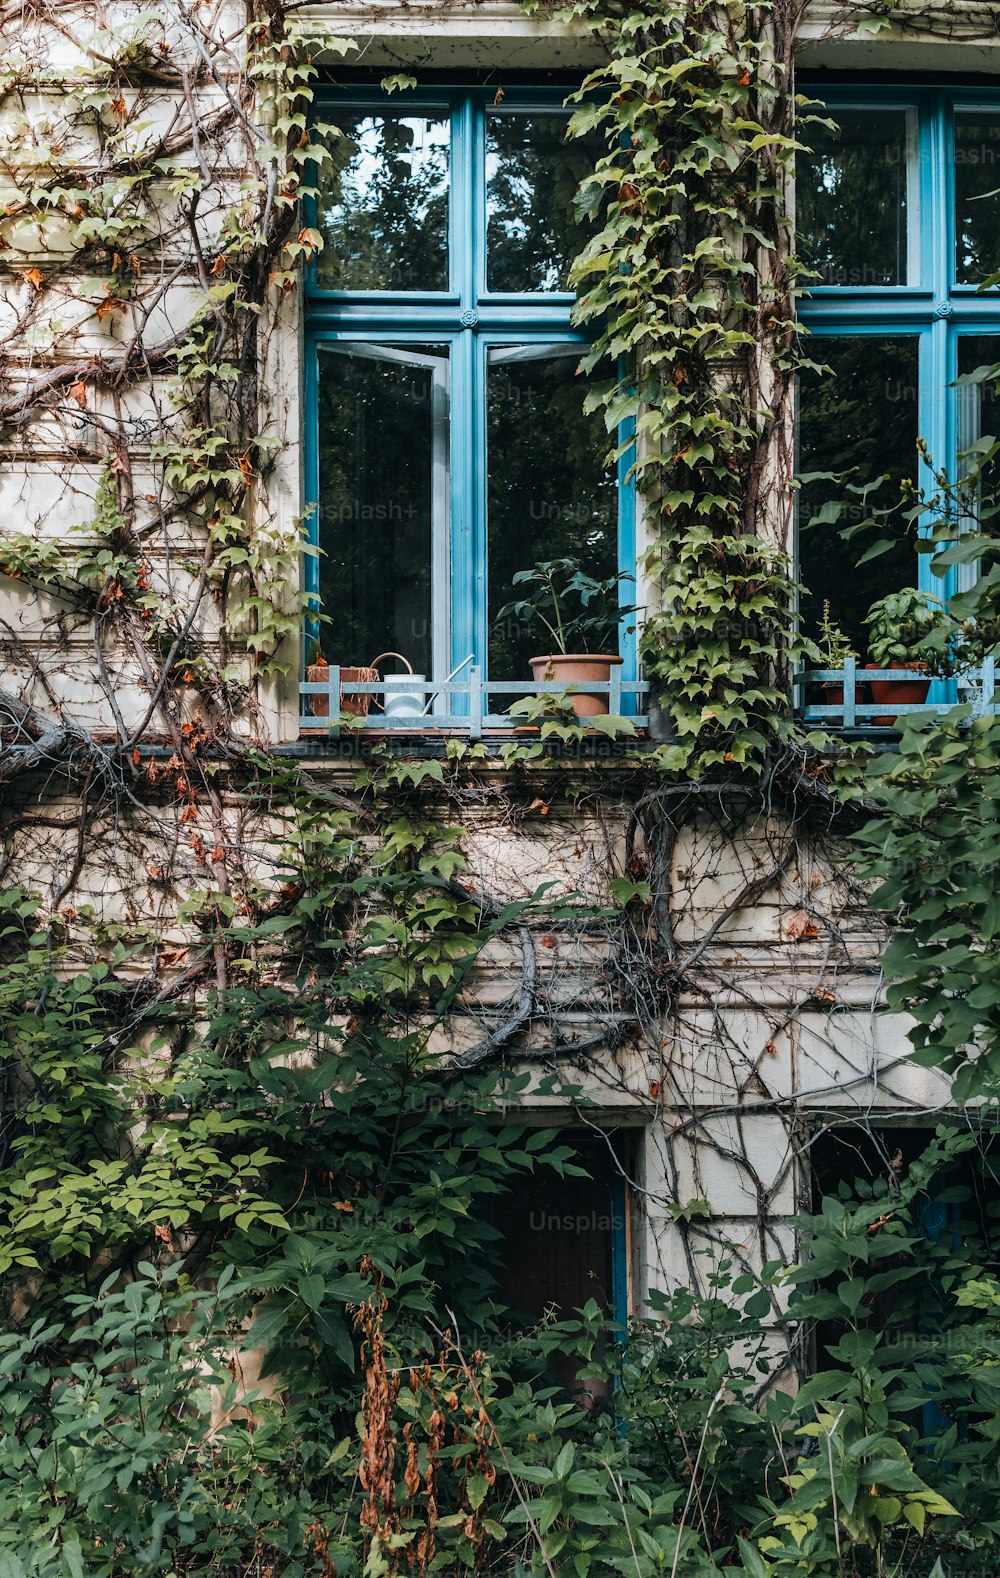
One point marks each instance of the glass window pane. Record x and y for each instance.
(850, 198)
(382, 498)
(383, 203)
(978, 416)
(549, 494)
(532, 174)
(556, 1252)
(978, 406)
(977, 203)
(863, 417)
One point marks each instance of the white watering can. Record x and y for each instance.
(410, 702)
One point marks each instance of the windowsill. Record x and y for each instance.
(865, 292)
(437, 745)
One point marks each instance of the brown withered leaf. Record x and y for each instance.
(34, 277)
(78, 392)
(799, 926)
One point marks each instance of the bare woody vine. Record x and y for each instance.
(254, 1078)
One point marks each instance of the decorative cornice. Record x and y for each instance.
(458, 32)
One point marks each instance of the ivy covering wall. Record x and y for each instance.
(277, 1035)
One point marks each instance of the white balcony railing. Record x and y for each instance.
(848, 703)
(398, 704)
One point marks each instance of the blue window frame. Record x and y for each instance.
(413, 324)
(897, 209)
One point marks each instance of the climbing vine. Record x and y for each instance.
(688, 281)
(279, 1037)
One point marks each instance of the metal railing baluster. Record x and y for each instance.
(333, 689)
(615, 691)
(850, 693)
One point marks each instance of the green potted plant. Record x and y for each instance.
(578, 614)
(834, 650)
(908, 629)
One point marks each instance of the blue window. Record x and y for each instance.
(448, 447)
(896, 210)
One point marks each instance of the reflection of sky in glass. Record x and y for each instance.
(428, 150)
(517, 198)
(384, 202)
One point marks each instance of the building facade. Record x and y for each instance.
(383, 372)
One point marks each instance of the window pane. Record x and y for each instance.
(978, 406)
(850, 198)
(556, 1242)
(382, 489)
(556, 1247)
(978, 416)
(864, 416)
(977, 206)
(549, 494)
(532, 175)
(383, 203)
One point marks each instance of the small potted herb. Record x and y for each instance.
(908, 629)
(834, 651)
(578, 615)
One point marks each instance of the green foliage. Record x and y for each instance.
(556, 585)
(264, 1164)
(685, 280)
(107, 1465)
(934, 851)
(908, 627)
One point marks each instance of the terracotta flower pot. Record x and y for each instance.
(831, 694)
(904, 692)
(576, 668)
(355, 706)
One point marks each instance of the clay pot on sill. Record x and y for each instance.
(832, 695)
(577, 668)
(904, 692)
(354, 706)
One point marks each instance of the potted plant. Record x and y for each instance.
(578, 614)
(909, 629)
(318, 673)
(834, 650)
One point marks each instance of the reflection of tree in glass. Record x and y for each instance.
(861, 419)
(532, 175)
(977, 179)
(375, 509)
(549, 494)
(383, 204)
(850, 199)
